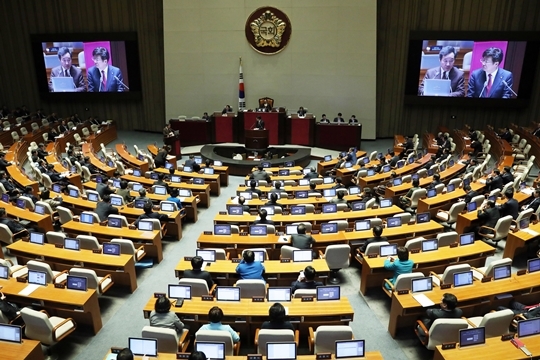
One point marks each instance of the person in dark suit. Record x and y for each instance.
(490, 81)
(353, 120)
(377, 232)
(339, 119)
(259, 174)
(301, 112)
(226, 109)
(313, 189)
(506, 135)
(265, 107)
(511, 206)
(242, 201)
(307, 281)
(161, 157)
(301, 240)
(448, 310)
(324, 120)
(160, 181)
(63, 127)
(263, 220)
(394, 159)
(312, 174)
(104, 208)
(534, 203)
(273, 200)
(447, 71)
(103, 188)
(536, 132)
(15, 227)
(494, 181)
(259, 123)
(488, 216)
(507, 175)
(436, 181)
(66, 69)
(253, 188)
(470, 194)
(477, 147)
(104, 77)
(351, 156)
(3, 163)
(167, 131)
(278, 319)
(148, 213)
(197, 273)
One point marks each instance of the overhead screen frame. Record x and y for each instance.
(527, 76)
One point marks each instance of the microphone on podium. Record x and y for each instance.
(508, 86)
(484, 88)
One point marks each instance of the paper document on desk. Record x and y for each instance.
(530, 232)
(482, 181)
(423, 300)
(182, 199)
(527, 191)
(29, 289)
(351, 169)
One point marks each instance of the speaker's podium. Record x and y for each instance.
(256, 140)
(174, 143)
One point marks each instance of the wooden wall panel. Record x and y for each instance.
(18, 83)
(396, 18)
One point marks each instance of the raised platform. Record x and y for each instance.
(300, 156)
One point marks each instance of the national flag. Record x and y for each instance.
(241, 94)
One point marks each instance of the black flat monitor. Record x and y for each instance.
(37, 238)
(362, 225)
(393, 222)
(463, 278)
(358, 205)
(302, 194)
(143, 346)
(327, 158)
(168, 165)
(259, 255)
(198, 160)
(281, 350)
(466, 182)
(329, 192)
(10, 333)
(422, 218)
(348, 164)
(227, 293)
(266, 164)
(179, 292)
(397, 182)
(21, 204)
(421, 284)
(136, 172)
(279, 294)
(187, 169)
(248, 195)
(370, 172)
(388, 250)
(284, 172)
(207, 255)
(528, 327)
(160, 190)
(354, 190)
(218, 163)
(111, 248)
(93, 197)
(415, 177)
(385, 203)
(350, 349)
(298, 210)
(533, 265)
(288, 164)
(86, 218)
(473, 336)
(198, 181)
(136, 187)
(139, 204)
(329, 208)
(431, 193)
(212, 350)
(329, 228)
(258, 230)
(37, 277)
(235, 210)
(291, 229)
(4, 272)
(466, 239)
(72, 244)
(325, 293)
(74, 193)
(303, 182)
(39, 209)
(430, 172)
(79, 283)
(184, 193)
(57, 188)
(502, 272)
(430, 245)
(167, 206)
(222, 229)
(176, 179)
(450, 188)
(270, 210)
(5, 198)
(471, 206)
(524, 223)
(116, 201)
(146, 225)
(328, 180)
(209, 171)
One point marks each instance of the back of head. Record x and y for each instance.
(106, 198)
(253, 184)
(450, 300)
(175, 192)
(45, 194)
(260, 167)
(142, 192)
(215, 314)
(377, 230)
(277, 185)
(340, 194)
(123, 184)
(310, 273)
(241, 200)
(277, 313)
(147, 207)
(467, 188)
(437, 177)
(162, 305)
(312, 186)
(197, 355)
(249, 256)
(509, 193)
(125, 354)
(197, 262)
(403, 253)
(301, 229)
(273, 197)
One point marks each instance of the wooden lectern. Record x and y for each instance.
(256, 140)
(174, 143)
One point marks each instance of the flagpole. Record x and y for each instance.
(241, 93)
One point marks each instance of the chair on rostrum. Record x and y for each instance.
(168, 340)
(46, 329)
(403, 282)
(267, 100)
(264, 336)
(499, 232)
(323, 339)
(441, 331)
(487, 271)
(199, 287)
(497, 323)
(252, 287)
(223, 336)
(449, 218)
(447, 277)
(337, 257)
(99, 283)
(51, 276)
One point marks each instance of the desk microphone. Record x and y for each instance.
(121, 82)
(508, 86)
(485, 84)
(100, 81)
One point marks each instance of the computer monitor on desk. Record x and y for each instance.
(222, 229)
(227, 293)
(10, 333)
(463, 278)
(466, 239)
(212, 350)
(281, 350)
(421, 284)
(328, 293)
(4, 272)
(143, 346)
(279, 294)
(37, 238)
(302, 255)
(533, 265)
(470, 337)
(502, 272)
(350, 349)
(207, 255)
(179, 292)
(528, 327)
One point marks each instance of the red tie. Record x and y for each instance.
(488, 87)
(104, 82)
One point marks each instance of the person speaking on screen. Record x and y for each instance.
(259, 124)
(490, 81)
(66, 69)
(103, 77)
(447, 71)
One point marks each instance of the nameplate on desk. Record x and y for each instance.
(96, 251)
(207, 232)
(286, 212)
(243, 233)
(21, 279)
(222, 213)
(314, 232)
(60, 286)
(453, 245)
(236, 260)
(183, 355)
(207, 298)
(60, 246)
(290, 197)
(521, 272)
(349, 230)
(280, 233)
(317, 212)
(284, 260)
(323, 356)
(507, 337)
(446, 286)
(188, 258)
(257, 298)
(116, 350)
(371, 256)
(255, 212)
(159, 294)
(346, 209)
(446, 346)
(240, 319)
(254, 357)
(403, 292)
(486, 279)
(241, 185)
(415, 251)
(307, 298)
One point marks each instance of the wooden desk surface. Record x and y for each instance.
(276, 169)
(28, 349)
(439, 201)
(314, 218)
(289, 189)
(286, 202)
(378, 178)
(88, 150)
(516, 242)
(504, 350)
(133, 161)
(43, 221)
(370, 355)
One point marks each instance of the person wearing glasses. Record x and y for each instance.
(66, 69)
(447, 71)
(491, 81)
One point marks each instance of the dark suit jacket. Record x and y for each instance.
(199, 274)
(511, 207)
(498, 90)
(507, 177)
(339, 120)
(456, 80)
(74, 72)
(259, 124)
(325, 121)
(534, 204)
(113, 85)
(495, 183)
(305, 285)
(374, 239)
(104, 209)
(489, 216)
(302, 241)
(470, 195)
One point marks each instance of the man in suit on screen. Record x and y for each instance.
(448, 71)
(490, 81)
(104, 77)
(66, 69)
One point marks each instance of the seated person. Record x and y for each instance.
(174, 193)
(93, 169)
(259, 174)
(339, 183)
(353, 120)
(53, 203)
(215, 315)
(242, 201)
(301, 111)
(528, 312)
(11, 188)
(142, 195)
(104, 208)
(470, 194)
(324, 120)
(29, 193)
(273, 200)
(277, 189)
(104, 187)
(401, 265)
(124, 192)
(278, 319)
(149, 214)
(14, 226)
(393, 159)
(487, 216)
(248, 268)
(190, 161)
(339, 199)
(313, 189)
(494, 181)
(377, 232)
(507, 175)
(366, 195)
(196, 272)
(448, 310)
(302, 240)
(339, 118)
(162, 317)
(160, 181)
(436, 181)
(263, 220)
(404, 201)
(253, 188)
(125, 354)
(306, 280)
(312, 174)
(511, 206)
